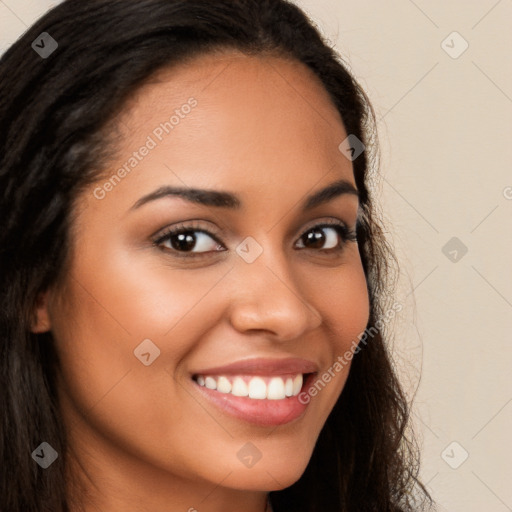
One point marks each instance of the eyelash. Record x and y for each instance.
(344, 233)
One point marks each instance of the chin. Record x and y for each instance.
(273, 475)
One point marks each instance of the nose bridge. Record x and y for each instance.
(267, 295)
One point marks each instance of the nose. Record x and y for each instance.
(265, 296)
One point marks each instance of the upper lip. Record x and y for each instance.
(263, 366)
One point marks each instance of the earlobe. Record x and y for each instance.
(41, 318)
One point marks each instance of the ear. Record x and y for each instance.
(41, 318)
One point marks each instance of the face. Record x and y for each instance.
(176, 307)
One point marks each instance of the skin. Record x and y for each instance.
(143, 437)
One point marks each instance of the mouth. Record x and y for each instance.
(259, 399)
(255, 387)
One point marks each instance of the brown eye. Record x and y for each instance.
(191, 241)
(188, 241)
(326, 237)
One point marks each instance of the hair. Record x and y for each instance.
(53, 139)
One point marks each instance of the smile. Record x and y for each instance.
(253, 386)
(260, 400)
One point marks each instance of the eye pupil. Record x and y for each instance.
(316, 237)
(184, 242)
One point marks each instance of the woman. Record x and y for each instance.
(194, 280)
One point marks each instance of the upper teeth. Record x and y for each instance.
(272, 388)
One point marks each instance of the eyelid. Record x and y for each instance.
(323, 222)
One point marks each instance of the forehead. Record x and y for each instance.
(236, 95)
(230, 74)
(231, 121)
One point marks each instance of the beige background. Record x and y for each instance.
(445, 124)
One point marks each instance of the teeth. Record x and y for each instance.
(210, 383)
(255, 387)
(288, 387)
(275, 389)
(239, 387)
(297, 384)
(223, 385)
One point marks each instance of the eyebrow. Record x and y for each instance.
(223, 199)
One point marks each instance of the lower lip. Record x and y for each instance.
(261, 412)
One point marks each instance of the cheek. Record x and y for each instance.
(114, 302)
(342, 297)
(135, 295)
(112, 306)
(354, 308)
(102, 322)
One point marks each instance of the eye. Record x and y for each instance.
(188, 239)
(193, 241)
(329, 236)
